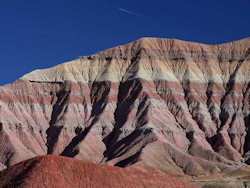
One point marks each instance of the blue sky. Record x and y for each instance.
(40, 34)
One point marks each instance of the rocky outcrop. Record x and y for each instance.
(180, 107)
(54, 171)
(2, 167)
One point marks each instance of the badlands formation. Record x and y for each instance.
(180, 107)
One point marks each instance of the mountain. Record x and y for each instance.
(180, 107)
(55, 171)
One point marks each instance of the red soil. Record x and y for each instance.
(54, 171)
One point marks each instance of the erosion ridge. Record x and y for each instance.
(176, 106)
(155, 57)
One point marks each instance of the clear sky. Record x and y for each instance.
(38, 34)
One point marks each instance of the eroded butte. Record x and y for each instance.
(180, 107)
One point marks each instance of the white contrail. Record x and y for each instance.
(129, 12)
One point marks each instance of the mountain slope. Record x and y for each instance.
(177, 106)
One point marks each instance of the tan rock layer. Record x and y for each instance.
(146, 59)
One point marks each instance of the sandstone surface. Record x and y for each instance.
(177, 106)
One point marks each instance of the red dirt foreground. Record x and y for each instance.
(55, 171)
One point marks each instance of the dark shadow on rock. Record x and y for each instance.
(53, 133)
(247, 137)
(130, 160)
(139, 137)
(128, 93)
(99, 99)
(71, 149)
(58, 111)
(1, 127)
(19, 179)
(124, 145)
(224, 115)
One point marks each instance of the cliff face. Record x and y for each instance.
(54, 171)
(180, 107)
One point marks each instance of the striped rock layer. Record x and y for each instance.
(180, 107)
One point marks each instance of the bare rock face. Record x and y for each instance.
(180, 107)
(55, 171)
(2, 167)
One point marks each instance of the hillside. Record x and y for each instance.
(179, 107)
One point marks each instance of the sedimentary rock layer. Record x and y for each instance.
(177, 106)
